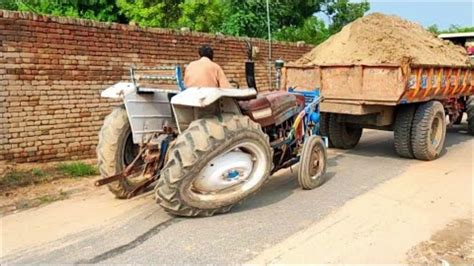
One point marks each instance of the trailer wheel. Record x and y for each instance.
(402, 130)
(324, 127)
(213, 165)
(428, 131)
(116, 150)
(343, 135)
(470, 115)
(313, 163)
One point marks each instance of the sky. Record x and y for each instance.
(428, 12)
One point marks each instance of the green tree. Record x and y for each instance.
(433, 29)
(201, 15)
(313, 31)
(101, 10)
(452, 29)
(457, 28)
(342, 12)
(151, 13)
(249, 18)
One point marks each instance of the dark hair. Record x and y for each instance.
(206, 50)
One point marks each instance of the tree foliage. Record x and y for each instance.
(201, 15)
(342, 12)
(101, 10)
(290, 20)
(452, 29)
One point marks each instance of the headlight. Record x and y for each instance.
(259, 114)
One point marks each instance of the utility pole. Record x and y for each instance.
(269, 46)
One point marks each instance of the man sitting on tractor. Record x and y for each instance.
(204, 72)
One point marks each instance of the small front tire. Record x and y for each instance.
(312, 163)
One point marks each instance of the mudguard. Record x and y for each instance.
(118, 91)
(202, 97)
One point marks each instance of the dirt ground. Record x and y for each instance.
(22, 198)
(453, 244)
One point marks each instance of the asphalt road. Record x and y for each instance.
(146, 234)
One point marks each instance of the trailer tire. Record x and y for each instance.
(195, 149)
(402, 131)
(114, 151)
(470, 115)
(324, 127)
(343, 135)
(428, 131)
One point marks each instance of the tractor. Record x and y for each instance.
(206, 149)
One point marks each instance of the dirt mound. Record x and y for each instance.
(379, 38)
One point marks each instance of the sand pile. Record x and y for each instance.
(379, 38)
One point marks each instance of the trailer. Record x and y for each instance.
(413, 100)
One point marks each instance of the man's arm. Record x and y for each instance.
(222, 79)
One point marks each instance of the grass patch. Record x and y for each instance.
(23, 178)
(17, 178)
(37, 172)
(77, 169)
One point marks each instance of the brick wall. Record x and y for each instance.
(52, 71)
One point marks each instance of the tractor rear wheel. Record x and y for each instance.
(428, 131)
(342, 134)
(214, 164)
(116, 150)
(470, 115)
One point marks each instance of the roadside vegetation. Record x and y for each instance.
(23, 189)
(23, 178)
(299, 20)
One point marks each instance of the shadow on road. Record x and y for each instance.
(381, 145)
(281, 185)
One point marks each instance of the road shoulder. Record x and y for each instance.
(382, 225)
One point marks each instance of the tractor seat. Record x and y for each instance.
(273, 107)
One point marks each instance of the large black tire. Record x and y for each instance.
(402, 130)
(324, 127)
(312, 163)
(428, 131)
(470, 115)
(201, 142)
(343, 135)
(115, 150)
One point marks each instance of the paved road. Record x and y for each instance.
(145, 234)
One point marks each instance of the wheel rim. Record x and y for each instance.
(436, 132)
(130, 152)
(316, 162)
(230, 175)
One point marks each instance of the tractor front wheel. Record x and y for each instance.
(312, 163)
(214, 164)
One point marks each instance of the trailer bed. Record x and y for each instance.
(362, 86)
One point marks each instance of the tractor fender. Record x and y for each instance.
(202, 97)
(118, 91)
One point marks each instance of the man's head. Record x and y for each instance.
(206, 51)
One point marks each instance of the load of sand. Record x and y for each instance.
(378, 39)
